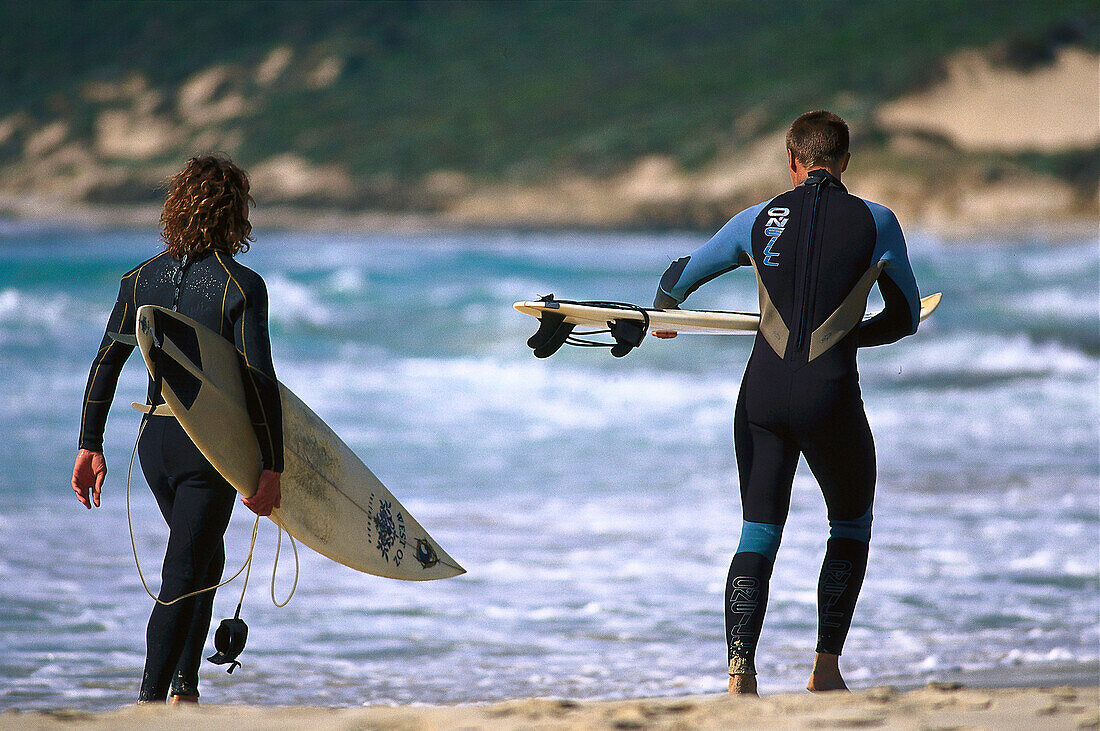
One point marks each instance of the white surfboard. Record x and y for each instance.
(330, 501)
(707, 322)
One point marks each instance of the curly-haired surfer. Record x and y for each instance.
(204, 224)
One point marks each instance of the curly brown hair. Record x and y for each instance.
(207, 208)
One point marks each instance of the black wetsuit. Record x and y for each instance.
(817, 251)
(194, 499)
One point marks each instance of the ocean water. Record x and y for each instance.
(593, 500)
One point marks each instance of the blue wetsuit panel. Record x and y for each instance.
(762, 538)
(857, 529)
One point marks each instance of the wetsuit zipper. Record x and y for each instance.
(808, 269)
(178, 281)
(156, 398)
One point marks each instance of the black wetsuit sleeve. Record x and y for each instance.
(250, 335)
(896, 283)
(106, 367)
(895, 320)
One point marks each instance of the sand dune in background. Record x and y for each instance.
(984, 107)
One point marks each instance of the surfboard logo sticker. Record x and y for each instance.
(383, 523)
(143, 323)
(391, 531)
(425, 554)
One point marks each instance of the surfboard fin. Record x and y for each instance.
(628, 335)
(124, 339)
(552, 333)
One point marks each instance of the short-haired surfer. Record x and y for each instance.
(203, 225)
(816, 250)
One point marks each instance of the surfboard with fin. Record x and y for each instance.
(706, 322)
(331, 501)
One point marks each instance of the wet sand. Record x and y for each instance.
(936, 706)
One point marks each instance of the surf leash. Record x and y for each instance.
(246, 568)
(554, 331)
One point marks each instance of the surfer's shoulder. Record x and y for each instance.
(248, 281)
(884, 217)
(155, 258)
(753, 212)
(738, 230)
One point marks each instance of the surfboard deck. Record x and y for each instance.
(699, 322)
(331, 501)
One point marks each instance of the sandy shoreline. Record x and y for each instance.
(938, 705)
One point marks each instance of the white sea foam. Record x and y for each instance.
(347, 280)
(1057, 263)
(1056, 654)
(975, 353)
(1063, 303)
(293, 302)
(47, 311)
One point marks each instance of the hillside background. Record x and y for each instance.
(967, 114)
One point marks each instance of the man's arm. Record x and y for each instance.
(724, 252)
(897, 284)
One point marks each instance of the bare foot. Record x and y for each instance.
(743, 684)
(826, 674)
(183, 700)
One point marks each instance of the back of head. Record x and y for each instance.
(818, 139)
(207, 208)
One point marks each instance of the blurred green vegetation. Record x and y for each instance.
(521, 89)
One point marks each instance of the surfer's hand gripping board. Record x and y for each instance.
(559, 317)
(268, 494)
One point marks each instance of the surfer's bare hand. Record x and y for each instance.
(664, 334)
(89, 472)
(268, 495)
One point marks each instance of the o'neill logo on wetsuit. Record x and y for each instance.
(834, 582)
(744, 597)
(777, 221)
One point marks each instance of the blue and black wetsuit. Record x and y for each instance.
(194, 499)
(816, 251)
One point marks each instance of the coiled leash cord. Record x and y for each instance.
(582, 343)
(246, 569)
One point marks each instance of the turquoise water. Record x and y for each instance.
(592, 499)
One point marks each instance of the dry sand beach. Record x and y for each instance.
(936, 706)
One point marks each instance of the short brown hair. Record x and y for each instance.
(818, 138)
(207, 208)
